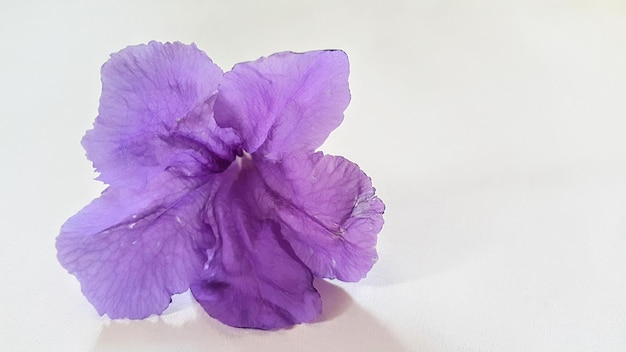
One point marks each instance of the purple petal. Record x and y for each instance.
(156, 113)
(132, 250)
(254, 279)
(286, 102)
(329, 212)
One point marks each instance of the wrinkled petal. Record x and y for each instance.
(328, 210)
(132, 250)
(156, 113)
(253, 279)
(286, 102)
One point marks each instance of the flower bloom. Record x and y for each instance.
(214, 185)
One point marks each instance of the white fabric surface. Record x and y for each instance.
(493, 130)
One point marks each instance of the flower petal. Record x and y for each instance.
(254, 279)
(286, 102)
(132, 250)
(156, 113)
(329, 212)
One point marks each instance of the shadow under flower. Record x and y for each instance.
(342, 326)
(335, 300)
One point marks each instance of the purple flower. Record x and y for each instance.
(215, 185)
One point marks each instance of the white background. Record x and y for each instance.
(493, 130)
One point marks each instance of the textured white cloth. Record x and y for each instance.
(493, 130)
